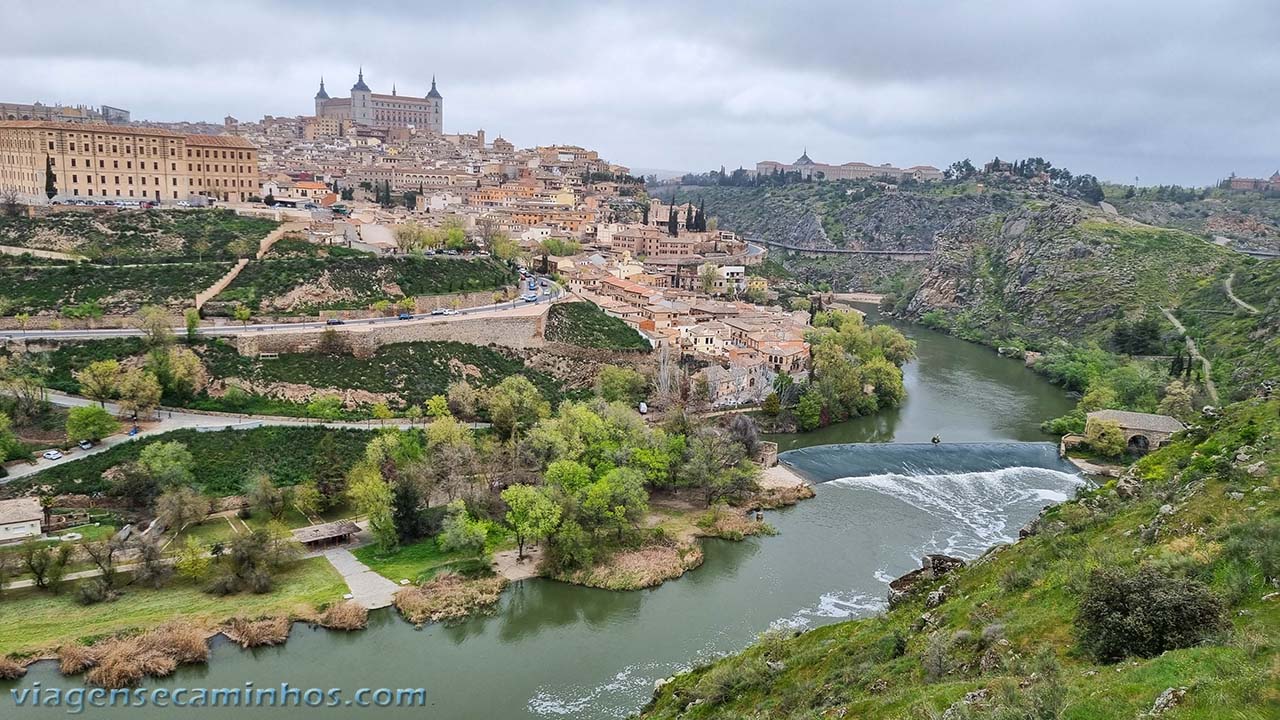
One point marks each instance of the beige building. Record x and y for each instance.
(370, 109)
(807, 168)
(123, 163)
(20, 519)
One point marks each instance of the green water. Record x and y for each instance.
(558, 651)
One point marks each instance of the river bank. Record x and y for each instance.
(566, 651)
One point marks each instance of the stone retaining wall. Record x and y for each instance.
(208, 293)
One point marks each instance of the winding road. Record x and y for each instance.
(1195, 355)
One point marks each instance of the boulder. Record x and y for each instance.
(932, 568)
(1167, 700)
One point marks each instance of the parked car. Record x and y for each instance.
(335, 321)
(51, 455)
(405, 316)
(85, 444)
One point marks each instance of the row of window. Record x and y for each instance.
(213, 182)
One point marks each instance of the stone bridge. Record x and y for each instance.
(1142, 431)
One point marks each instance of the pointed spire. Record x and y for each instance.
(393, 89)
(435, 94)
(360, 81)
(322, 95)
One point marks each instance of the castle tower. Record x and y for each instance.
(436, 122)
(361, 102)
(320, 98)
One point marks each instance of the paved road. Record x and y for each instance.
(168, 420)
(518, 306)
(1231, 294)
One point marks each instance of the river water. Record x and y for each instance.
(557, 651)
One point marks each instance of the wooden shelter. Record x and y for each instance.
(313, 537)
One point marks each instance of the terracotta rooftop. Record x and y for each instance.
(228, 141)
(88, 127)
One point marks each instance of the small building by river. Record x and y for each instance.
(315, 537)
(1142, 431)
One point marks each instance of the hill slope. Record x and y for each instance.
(1199, 520)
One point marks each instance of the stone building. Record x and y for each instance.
(369, 109)
(63, 113)
(1142, 431)
(95, 161)
(20, 519)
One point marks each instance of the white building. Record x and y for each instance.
(20, 519)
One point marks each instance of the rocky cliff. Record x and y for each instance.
(1049, 270)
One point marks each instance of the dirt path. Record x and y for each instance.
(1226, 284)
(508, 566)
(1195, 355)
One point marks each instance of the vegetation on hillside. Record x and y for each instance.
(308, 285)
(227, 459)
(77, 291)
(586, 325)
(1243, 345)
(140, 236)
(1171, 569)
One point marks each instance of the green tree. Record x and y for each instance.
(139, 392)
(374, 499)
(438, 406)
(1177, 401)
(307, 499)
(617, 500)
(570, 476)
(808, 410)
(90, 423)
(531, 515)
(265, 497)
(381, 411)
(192, 317)
(461, 532)
(193, 561)
(99, 379)
(515, 405)
(1105, 437)
(620, 384)
(325, 407)
(242, 315)
(328, 471)
(169, 463)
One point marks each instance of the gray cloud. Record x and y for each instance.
(1167, 91)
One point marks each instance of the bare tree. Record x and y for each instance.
(10, 204)
(103, 555)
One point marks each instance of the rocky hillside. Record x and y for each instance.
(1157, 595)
(853, 215)
(1250, 221)
(1050, 270)
(1242, 338)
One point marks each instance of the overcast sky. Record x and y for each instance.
(1167, 91)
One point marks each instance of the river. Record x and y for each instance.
(558, 651)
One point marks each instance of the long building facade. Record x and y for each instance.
(367, 108)
(94, 161)
(849, 171)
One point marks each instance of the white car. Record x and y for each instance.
(450, 311)
(51, 455)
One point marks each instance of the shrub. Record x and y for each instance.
(75, 659)
(345, 615)
(259, 633)
(10, 670)
(1144, 613)
(1105, 437)
(92, 592)
(1017, 579)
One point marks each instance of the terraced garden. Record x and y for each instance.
(139, 235)
(95, 289)
(585, 324)
(303, 286)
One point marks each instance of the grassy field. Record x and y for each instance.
(304, 286)
(586, 325)
(1009, 625)
(416, 562)
(35, 621)
(226, 459)
(138, 235)
(98, 289)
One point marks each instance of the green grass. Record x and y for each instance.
(357, 282)
(225, 459)
(585, 324)
(1244, 347)
(414, 562)
(136, 236)
(1030, 591)
(293, 246)
(112, 290)
(35, 620)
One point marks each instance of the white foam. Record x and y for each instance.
(973, 508)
